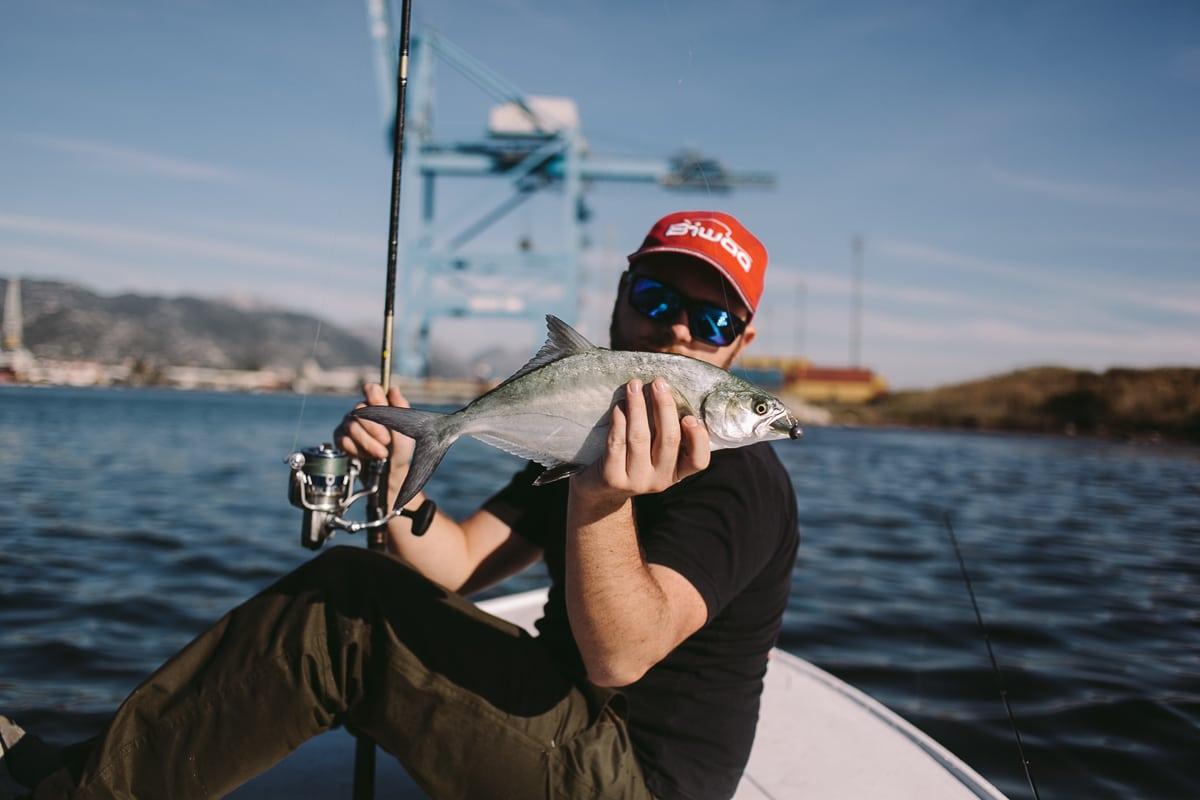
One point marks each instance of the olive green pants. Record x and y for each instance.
(471, 705)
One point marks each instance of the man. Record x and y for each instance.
(670, 569)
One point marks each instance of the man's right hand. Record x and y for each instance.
(463, 557)
(364, 439)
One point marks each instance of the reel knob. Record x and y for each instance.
(421, 516)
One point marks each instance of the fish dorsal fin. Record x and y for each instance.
(561, 341)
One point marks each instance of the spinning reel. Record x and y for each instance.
(321, 482)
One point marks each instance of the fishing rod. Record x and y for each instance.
(364, 754)
(962, 565)
(322, 478)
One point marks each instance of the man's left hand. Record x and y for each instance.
(637, 462)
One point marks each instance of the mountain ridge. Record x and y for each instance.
(68, 321)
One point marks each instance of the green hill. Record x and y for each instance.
(1136, 403)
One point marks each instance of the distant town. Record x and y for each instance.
(796, 378)
(82, 340)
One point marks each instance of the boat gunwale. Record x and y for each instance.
(510, 604)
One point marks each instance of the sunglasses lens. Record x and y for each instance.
(713, 325)
(708, 323)
(653, 299)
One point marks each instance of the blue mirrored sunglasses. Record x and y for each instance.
(662, 302)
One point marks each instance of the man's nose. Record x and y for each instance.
(680, 329)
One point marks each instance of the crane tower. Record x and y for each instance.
(532, 145)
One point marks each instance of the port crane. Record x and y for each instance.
(533, 144)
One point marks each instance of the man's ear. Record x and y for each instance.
(744, 341)
(748, 335)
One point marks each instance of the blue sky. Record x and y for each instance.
(1025, 175)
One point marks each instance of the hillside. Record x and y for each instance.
(65, 321)
(1140, 403)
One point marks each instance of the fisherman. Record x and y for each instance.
(670, 568)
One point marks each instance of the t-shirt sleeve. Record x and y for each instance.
(522, 506)
(715, 529)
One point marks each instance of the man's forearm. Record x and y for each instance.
(618, 611)
(465, 556)
(441, 554)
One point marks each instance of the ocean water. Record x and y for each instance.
(133, 519)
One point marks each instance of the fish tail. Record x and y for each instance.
(432, 432)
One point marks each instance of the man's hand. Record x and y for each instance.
(362, 438)
(463, 557)
(637, 462)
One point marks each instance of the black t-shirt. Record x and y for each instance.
(732, 532)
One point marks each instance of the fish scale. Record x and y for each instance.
(582, 407)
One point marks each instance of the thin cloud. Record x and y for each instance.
(122, 236)
(1156, 243)
(1039, 276)
(132, 160)
(1096, 194)
(317, 237)
(106, 276)
(933, 255)
(1161, 345)
(918, 316)
(343, 302)
(880, 292)
(1181, 301)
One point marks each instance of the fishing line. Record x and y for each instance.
(703, 173)
(988, 641)
(304, 395)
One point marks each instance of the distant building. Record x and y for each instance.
(15, 360)
(12, 315)
(815, 384)
(238, 380)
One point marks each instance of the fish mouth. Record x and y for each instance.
(787, 425)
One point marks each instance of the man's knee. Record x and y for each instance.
(335, 569)
(356, 571)
(340, 559)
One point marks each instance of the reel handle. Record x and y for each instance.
(421, 516)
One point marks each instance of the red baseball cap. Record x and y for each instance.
(717, 238)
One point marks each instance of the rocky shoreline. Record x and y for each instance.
(1160, 404)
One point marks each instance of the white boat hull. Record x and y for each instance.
(819, 737)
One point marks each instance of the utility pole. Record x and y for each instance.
(800, 321)
(856, 245)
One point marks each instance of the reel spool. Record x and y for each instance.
(320, 485)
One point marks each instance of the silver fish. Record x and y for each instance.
(556, 410)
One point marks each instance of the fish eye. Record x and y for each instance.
(761, 407)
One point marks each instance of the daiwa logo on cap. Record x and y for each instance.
(716, 238)
(724, 237)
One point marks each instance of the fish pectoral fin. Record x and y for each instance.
(557, 473)
(682, 405)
